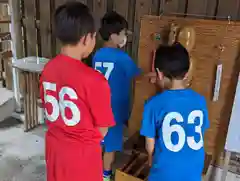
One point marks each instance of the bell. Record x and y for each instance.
(174, 29)
(189, 77)
(187, 37)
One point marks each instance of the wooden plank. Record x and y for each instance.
(226, 166)
(5, 36)
(29, 21)
(45, 28)
(4, 1)
(121, 7)
(228, 8)
(155, 9)
(90, 4)
(99, 9)
(142, 7)
(211, 8)
(56, 5)
(197, 7)
(173, 6)
(5, 21)
(82, 1)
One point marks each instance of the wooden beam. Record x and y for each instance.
(4, 1)
(16, 26)
(45, 28)
(5, 21)
(30, 24)
(5, 36)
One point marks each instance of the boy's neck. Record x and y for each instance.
(177, 84)
(110, 44)
(72, 51)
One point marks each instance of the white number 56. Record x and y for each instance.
(58, 107)
(168, 129)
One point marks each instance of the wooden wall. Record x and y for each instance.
(37, 18)
(5, 47)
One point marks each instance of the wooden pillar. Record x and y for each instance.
(16, 28)
(17, 45)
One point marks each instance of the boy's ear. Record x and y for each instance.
(114, 37)
(83, 40)
(86, 38)
(185, 76)
(159, 74)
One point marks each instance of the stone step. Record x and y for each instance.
(7, 103)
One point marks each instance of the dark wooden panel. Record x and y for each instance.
(58, 44)
(155, 7)
(4, 1)
(228, 8)
(45, 28)
(99, 9)
(211, 8)
(174, 6)
(142, 7)
(121, 7)
(110, 5)
(197, 7)
(29, 21)
(82, 1)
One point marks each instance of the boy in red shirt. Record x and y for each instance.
(76, 100)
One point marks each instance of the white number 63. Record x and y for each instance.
(58, 107)
(168, 129)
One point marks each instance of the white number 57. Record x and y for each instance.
(108, 65)
(58, 107)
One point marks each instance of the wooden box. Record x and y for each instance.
(136, 169)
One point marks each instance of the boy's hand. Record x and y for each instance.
(150, 160)
(152, 76)
(103, 131)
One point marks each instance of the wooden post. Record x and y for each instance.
(99, 9)
(226, 166)
(16, 28)
(17, 44)
(45, 28)
(30, 24)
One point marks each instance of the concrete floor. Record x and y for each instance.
(22, 154)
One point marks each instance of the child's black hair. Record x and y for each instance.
(173, 61)
(112, 23)
(73, 20)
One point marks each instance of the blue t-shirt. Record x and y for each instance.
(119, 69)
(177, 119)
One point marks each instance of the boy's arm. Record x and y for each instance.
(100, 105)
(134, 72)
(148, 75)
(150, 142)
(148, 129)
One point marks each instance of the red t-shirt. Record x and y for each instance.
(76, 100)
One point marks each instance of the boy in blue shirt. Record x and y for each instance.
(119, 69)
(174, 121)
